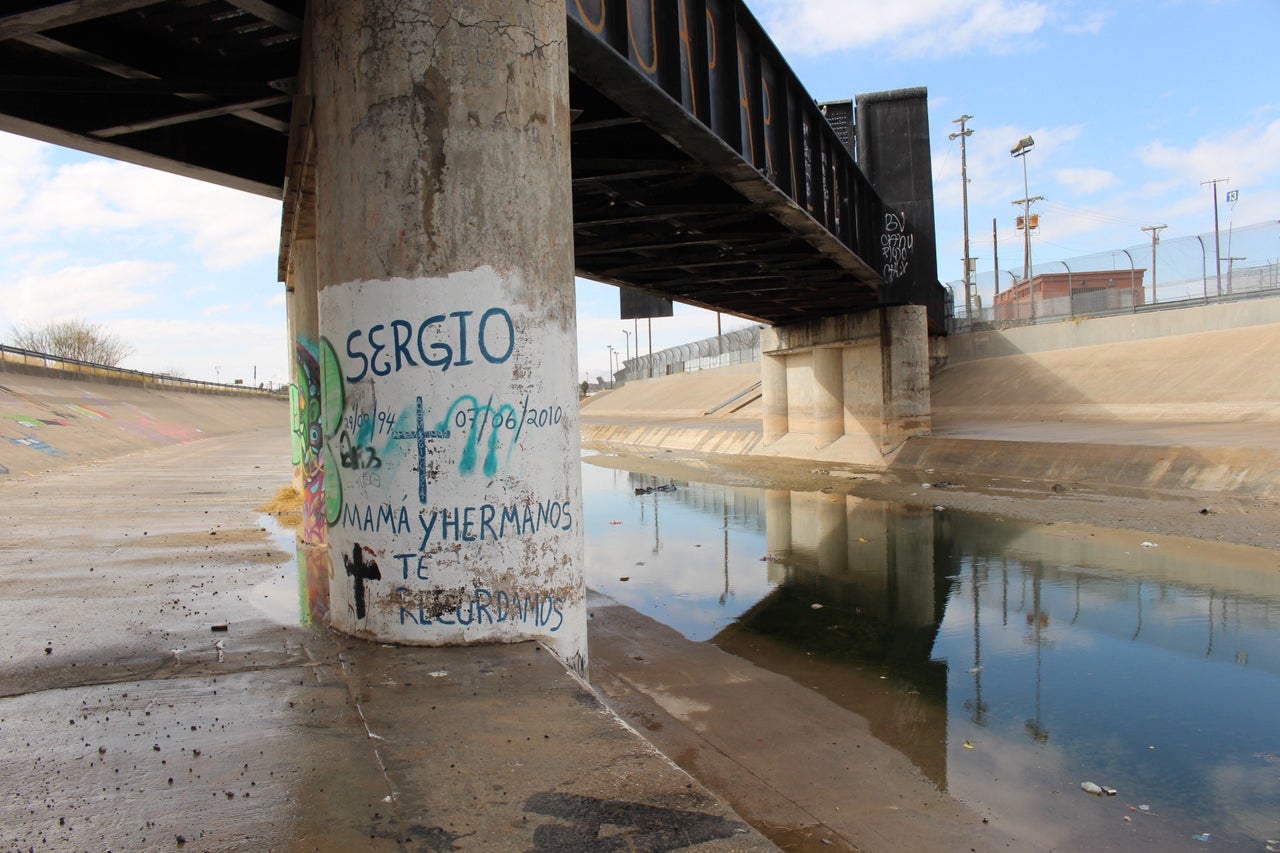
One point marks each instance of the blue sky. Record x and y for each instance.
(1132, 105)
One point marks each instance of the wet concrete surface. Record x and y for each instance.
(811, 774)
(130, 720)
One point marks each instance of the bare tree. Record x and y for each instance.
(73, 339)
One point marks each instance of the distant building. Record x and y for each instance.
(1068, 293)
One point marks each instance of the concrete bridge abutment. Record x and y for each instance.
(436, 389)
(855, 386)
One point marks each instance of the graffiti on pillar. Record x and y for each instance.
(356, 457)
(296, 430)
(421, 435)
(896, 243)
(360, 570)
(333, 402)
(309, 439)
(451, 492)
(476, 420)
(317, 414)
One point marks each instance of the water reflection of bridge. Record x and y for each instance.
(891, 610)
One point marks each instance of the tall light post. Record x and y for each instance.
(610, 366)
(1025, 144)
(628, 344)
(962, 134)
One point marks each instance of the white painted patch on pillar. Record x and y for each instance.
(452, 489)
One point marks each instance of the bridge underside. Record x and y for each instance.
(647, 215)
(206, 88)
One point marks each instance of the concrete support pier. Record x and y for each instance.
(447, 329)
(853, 387)
(306, 423)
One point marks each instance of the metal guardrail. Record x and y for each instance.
(30, 358)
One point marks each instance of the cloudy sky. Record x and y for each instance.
(1132, 105)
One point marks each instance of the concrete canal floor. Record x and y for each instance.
(130, 720)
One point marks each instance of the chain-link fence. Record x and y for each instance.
(1145, 277)
(739, 346)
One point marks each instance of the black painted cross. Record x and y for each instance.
(360, 571)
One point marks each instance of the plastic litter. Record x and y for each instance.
(1201, 836)
(1091, 788)
(1150, 545)
(815, 606)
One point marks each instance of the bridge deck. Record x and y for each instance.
(709, 178)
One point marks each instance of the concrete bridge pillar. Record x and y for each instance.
(447, 349)
(304, 334)
(868, 386)
(773, 389)
(828, 395)
(306, 424)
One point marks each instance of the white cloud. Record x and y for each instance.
(921, 28)
(39, 296)
(104, 198)
(1086, 180)
(1246, 154)
(235, 347)
(22, 165)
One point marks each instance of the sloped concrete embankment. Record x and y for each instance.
(1193, 411)
(50, 423)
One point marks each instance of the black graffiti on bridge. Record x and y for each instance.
(359, 571)
(652, 829)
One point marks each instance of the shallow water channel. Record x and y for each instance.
(1009, 661)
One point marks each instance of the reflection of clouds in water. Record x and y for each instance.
(1149, 671)
(1248, 791)
(682, 580)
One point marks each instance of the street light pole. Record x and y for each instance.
(1025, 144)
(963, 134)
(610, 366)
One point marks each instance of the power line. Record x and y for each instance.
(1094, 214)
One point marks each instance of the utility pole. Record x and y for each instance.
(1217, 242)
(1155, 238)
(962, 134)
(995, 254)
(1025, 204)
